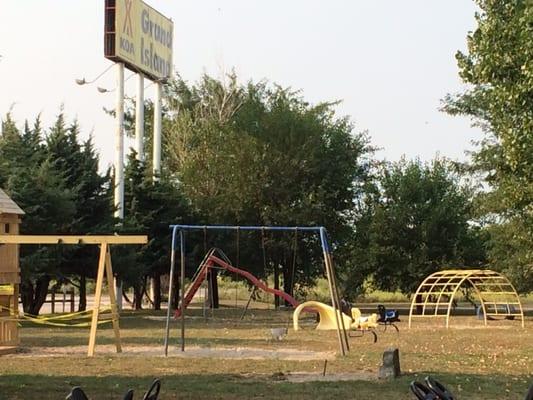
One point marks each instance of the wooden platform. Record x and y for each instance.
(7, 350)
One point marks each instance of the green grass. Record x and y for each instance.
(475, 362)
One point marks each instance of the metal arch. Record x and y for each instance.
(464, 278)
(418, 291)
(484, 282)
(482, 301)
(515, 293)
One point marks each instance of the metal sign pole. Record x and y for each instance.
(119, 163)
(119, 144)
(139, 118)
(157, 129)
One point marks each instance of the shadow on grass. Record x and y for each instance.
(226, 386)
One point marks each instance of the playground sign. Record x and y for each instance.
(139, 36)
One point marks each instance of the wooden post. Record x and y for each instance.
(97, 298)
(112, 299)
(71, 292)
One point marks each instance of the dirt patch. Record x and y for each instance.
(249, 353)
(300, 377)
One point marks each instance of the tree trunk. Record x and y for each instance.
(173, 303)
(138, 296)
(33, 297)
(212, 292)
(288, 284)
(82, 305)
(156, 289)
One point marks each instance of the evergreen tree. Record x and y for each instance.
(78, 163)
(33, 182)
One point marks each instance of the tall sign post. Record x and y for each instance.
(139, 38)
(119, 144)
(139, 118)
(157, 129)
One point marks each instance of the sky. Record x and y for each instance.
(390, 62)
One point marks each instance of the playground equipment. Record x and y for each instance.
(388, 317)
(435, 296)
(328, 263)
(104, 265)
(329, 315)
(9, 273)
(211, 260)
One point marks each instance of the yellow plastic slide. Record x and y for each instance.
(328, 320)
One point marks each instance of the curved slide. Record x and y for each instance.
(329, 321)
(326, 313)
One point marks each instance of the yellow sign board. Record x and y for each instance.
(139, 36)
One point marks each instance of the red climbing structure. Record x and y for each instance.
(212, 261)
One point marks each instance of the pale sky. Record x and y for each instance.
(391, 62)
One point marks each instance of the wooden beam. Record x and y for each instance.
(97, 298)
(73, 239)
(112, 299)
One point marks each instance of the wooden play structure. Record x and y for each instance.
(9, 272)
(435, 296)
(104, 265)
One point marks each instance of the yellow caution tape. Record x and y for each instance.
(49, 320)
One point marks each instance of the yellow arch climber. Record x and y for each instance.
(434, 298)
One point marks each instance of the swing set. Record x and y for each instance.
(215, 259)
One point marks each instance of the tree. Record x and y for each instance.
(499, 69)
(78, 162)
(260, 154)
(33, 182)
(150, 206)
(417, 223)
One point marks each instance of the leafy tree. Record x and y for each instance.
(260, 154)
(499, 69)
(417, 223)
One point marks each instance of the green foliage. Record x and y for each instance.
(30, 178)
(55, 180)
(499, 69)
(416, 224)
(77, 162)
(260, 154)
(150, 206)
